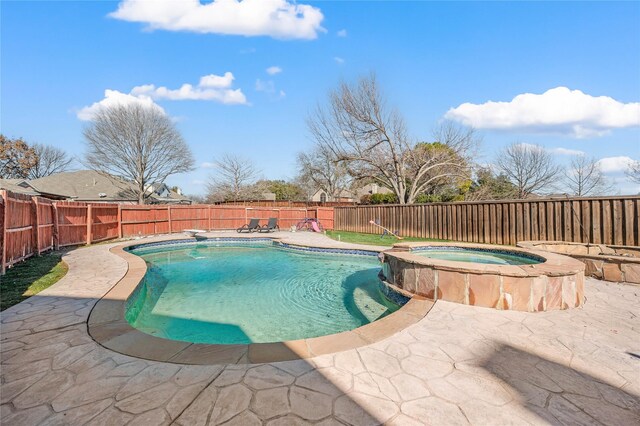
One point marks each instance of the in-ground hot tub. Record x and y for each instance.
(484, 275)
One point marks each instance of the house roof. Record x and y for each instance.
(90, 185)
(372, 188)
(19, 186)
(23, 186)
(84, 185)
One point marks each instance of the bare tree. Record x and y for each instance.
(633, 171)
(16, 158)
(372, 143)
(584, 177)
(490, 186)
(320, 169)
(138, 143)
(233, 178)
(529, 167)
(49, 160)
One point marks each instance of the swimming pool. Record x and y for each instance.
(476, 255)
(230, 292)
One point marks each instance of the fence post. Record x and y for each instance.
(56, 236)
(209, 222)
(89, 223)
(155, 219)
(35, 218)
(5, 205)
(119, 220)
(169, 216)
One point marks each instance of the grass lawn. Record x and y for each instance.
(371, 239)
(30, 277)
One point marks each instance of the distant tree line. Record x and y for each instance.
(358, 139)
(19, 160)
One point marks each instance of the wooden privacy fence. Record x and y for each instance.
(82, 223)
(147, 220)
(32, 225)
(283, 203)
(598, 220)
(18, 231)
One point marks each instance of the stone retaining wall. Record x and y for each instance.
(611, 263)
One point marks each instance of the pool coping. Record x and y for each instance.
(107, 325)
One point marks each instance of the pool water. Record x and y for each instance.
(254, 293)
(492, 257)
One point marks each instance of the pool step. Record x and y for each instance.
(367, 306)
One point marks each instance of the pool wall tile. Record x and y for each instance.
(426, 282)
(553, 293)
(519, 291)
(538, 289)
(452, 286)
(579, 289)
(410, 282)
(612, 272)
(484, 290)
(631, 273)
(569, 293)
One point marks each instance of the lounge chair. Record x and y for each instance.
(253, 225)
(272, 225)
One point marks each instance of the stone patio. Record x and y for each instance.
(459, 365)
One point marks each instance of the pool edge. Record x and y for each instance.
(107, 326)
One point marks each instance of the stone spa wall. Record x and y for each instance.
(555, 283)
(610, 263)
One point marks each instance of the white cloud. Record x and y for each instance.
(265, 86)
(217, 81)
(269, 88)
(530, 146)
(274, 70)
(208, 165)
(211, 88)
(559, 150)
(566, 151)
(559, 110)
(274, 18)
(113, 98)
(614, 164)
(187, 92)
(338, 60)
(342, 33)
(198, 182)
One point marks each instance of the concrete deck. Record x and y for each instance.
(459, 365)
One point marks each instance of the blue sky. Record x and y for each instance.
(58, 58)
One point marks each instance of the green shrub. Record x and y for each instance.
(428, 198)
(378, 199)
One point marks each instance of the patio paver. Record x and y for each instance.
(459, 365)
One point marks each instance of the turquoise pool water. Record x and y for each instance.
(253, 293)
(493, 257)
